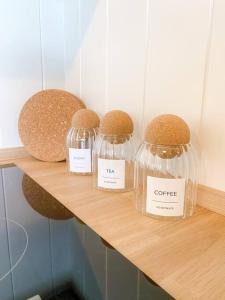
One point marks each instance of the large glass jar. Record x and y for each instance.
(165, 180)
(165, 170)
(114, 162)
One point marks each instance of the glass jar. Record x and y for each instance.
(165, 180)
(114, 162)
(80, 142)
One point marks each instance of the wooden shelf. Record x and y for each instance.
(9, 155)
(186, 258)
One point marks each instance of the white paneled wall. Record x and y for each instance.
(150, 57)
(126, 58)
(147, 57)
(20, 62)
(178, 34)
(213, 110)
(32, 57)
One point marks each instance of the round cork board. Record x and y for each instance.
(44, 122)
(43, 202)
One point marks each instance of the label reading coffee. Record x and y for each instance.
(80, 160)
(165, 197)
(111, 173)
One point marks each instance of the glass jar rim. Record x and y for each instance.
(115, 135)
(164, 145)
(86, 128)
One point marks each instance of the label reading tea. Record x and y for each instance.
(111, 173)
(80, 160)
(165, 197)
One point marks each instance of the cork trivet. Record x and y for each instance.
(44, 122)
(85, 118)
(42, 202)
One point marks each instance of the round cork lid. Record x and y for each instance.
(167, 130)
(44, 122)
(85, 118)
(42, 202)
(116, 122)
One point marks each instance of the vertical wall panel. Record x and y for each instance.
(33, 275)
(148, 291)
(122, 277)
(52, 42)
(94, 251)
(67, 254)
(20, 63)
(6, 291)
(32, 47)
(178, 33)
(72, 35)
(93, 49)
(58, 52)
(126, 51)
(61, 234)
(213, 128)
(78, 251)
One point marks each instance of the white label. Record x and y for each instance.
(111, 173)
(80, 160)
(165, 197)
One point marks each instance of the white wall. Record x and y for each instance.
(32, 57)
(150, 57)
(144, 56)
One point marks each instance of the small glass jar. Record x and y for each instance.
(80, 142)
(165, 180)
(114, 162)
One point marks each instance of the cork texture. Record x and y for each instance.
(85, 118)
(167, 130)
(44, 122)
(116, 122)
(42, 202)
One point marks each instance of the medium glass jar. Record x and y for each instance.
(114, 162)
(80, 142)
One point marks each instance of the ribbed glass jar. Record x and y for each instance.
(165, 180)
(114, 163)
(80, 142)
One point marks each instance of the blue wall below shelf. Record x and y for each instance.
(60, 254)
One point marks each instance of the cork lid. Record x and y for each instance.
(44, 122)
(116, 122)
(42, 202)
(167, 130)
(85, 118)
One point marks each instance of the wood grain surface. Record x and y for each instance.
(186, 258)
(211, 199)
(9, 155)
